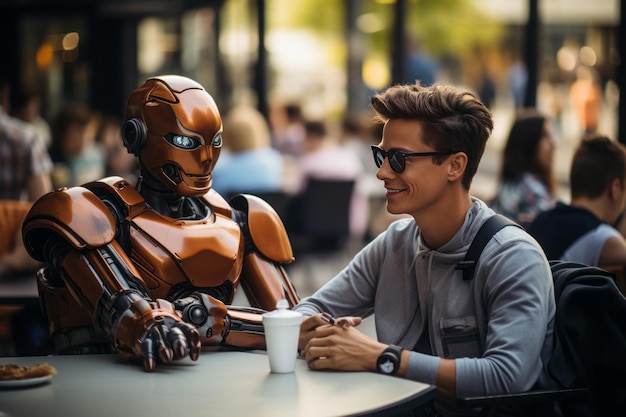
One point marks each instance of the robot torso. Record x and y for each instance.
(170, 252)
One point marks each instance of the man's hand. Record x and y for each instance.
(340, 348)
(309, 324)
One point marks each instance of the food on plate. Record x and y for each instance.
(13, 371)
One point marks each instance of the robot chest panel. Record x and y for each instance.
(204, 253)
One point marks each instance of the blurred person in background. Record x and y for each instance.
(357, 137)
(527, 185)
(419, 64)
(325, 158)
(27, 107)
(119, 161)
(248, 163)
(76, 156)
(517, 79)
(586, 99)
(287, 128)
(583, 231)
(25, 168)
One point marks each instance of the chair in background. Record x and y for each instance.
(23, 330)
(318, 224)
(279, 200)
(12, 214)
(319, 218)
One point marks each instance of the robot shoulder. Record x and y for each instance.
(76, 214)
(119, 195)
(266, 228)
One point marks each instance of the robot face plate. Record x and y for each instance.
(183, 133)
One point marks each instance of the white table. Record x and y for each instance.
(220, 383)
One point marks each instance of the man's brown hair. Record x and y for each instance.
(597, 161)
(454, 119)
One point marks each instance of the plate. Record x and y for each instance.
(27, 382)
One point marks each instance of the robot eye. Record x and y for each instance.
(181, 141)
(217, 141)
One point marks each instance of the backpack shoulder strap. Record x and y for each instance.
(484, 235)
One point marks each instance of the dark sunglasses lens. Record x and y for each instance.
(379, 157)
(396, 160)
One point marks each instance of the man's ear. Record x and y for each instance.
(456, 166)
(616, 188)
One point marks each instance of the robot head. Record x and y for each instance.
(174, 126)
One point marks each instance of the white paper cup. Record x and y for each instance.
(282, 331)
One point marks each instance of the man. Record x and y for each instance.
(582, 231)
(489, 335)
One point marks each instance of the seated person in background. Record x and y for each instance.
(250, 164)
(325, 158)
(27, 107)
(583, 230)
(76, 155)
(287, 128)
(358, 137)
(109, 137)
(491, 335)
(527, 175)
(25, 176)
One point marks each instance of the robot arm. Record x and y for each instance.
(73, 232)
(243, 328)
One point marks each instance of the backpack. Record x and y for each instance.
(590, 329)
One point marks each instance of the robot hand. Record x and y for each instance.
(155, 332)
(167, 342)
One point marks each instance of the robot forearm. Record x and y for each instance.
(245, 328)
(236, 326)
(206, 313)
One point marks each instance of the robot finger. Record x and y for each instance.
(177, 342)
(157, 334)
(193, 339)
(149, 359)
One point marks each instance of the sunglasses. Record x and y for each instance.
(397, 159)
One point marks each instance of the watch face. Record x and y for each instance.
(386, 365)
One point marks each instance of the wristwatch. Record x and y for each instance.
(389, 361)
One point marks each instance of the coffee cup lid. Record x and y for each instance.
(282, 311)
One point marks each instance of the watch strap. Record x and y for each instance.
(395, 349)
(393, 353)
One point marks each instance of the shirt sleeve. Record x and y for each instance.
(588, 247)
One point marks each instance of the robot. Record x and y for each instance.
(151, 271)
